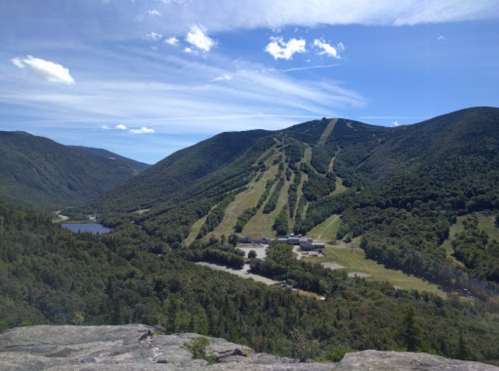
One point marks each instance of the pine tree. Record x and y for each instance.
(413, 333)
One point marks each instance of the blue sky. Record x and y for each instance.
(145, 78)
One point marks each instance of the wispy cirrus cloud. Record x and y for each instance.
(256, 97)
(154, 36)
(226, 15)
(222, 78)
(309, 68)
(51, 71)
(153, 12)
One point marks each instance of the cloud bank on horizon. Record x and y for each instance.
(183, 70)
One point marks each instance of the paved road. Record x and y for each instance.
(63, 217)
(299, 255)
(244, 272)
(261, 250)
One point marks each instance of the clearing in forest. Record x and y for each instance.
(141, 211)
(326, 231)
(340, 188)
(196, 227)
(354, 260)
(261, 224)
(327, 131)
(244, 200)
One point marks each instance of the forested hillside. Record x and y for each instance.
(179, 172)
(49, 275)
(40, 172)
(398, 189)
(98, 152)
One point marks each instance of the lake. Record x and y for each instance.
(92, 228)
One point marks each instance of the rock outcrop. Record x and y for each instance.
(397, 361)
(139, 347)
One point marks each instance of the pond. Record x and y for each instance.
(92, 228)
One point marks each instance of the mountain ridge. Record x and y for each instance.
(435, 171)
(40, 171)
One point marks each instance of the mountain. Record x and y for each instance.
(39, 171)
(180, 171)
(97, 152)
(397, 189)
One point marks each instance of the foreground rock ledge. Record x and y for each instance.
(139, 347)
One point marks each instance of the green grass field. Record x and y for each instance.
(340, 188)
(354, 260)
(308, 155)
(246, 200)
(329, 128)
(261, 224)
(326, 231)
(196, 227)
(487, 223)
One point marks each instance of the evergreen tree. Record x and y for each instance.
(413, 333)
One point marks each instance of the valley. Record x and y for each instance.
(408, 217)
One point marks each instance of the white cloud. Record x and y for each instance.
(309, 67)
(142, 130)
(18, 62)
(172, 41)
(51, 71)
(154, 36)
(223, 78)
(121, 127)
(190, 51)
(395, 123)
(172, 1)
(154, 12)
(197, 36)
(441, 38)
(329, 50)
(105, 127)
(256, 97)
(280, 49)
(228, 15)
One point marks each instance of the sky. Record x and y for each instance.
(145, 78)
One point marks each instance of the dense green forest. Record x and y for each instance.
(52, 276)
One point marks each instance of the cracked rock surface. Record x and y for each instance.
(140, 347)
(126, 348)
(398, 361)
